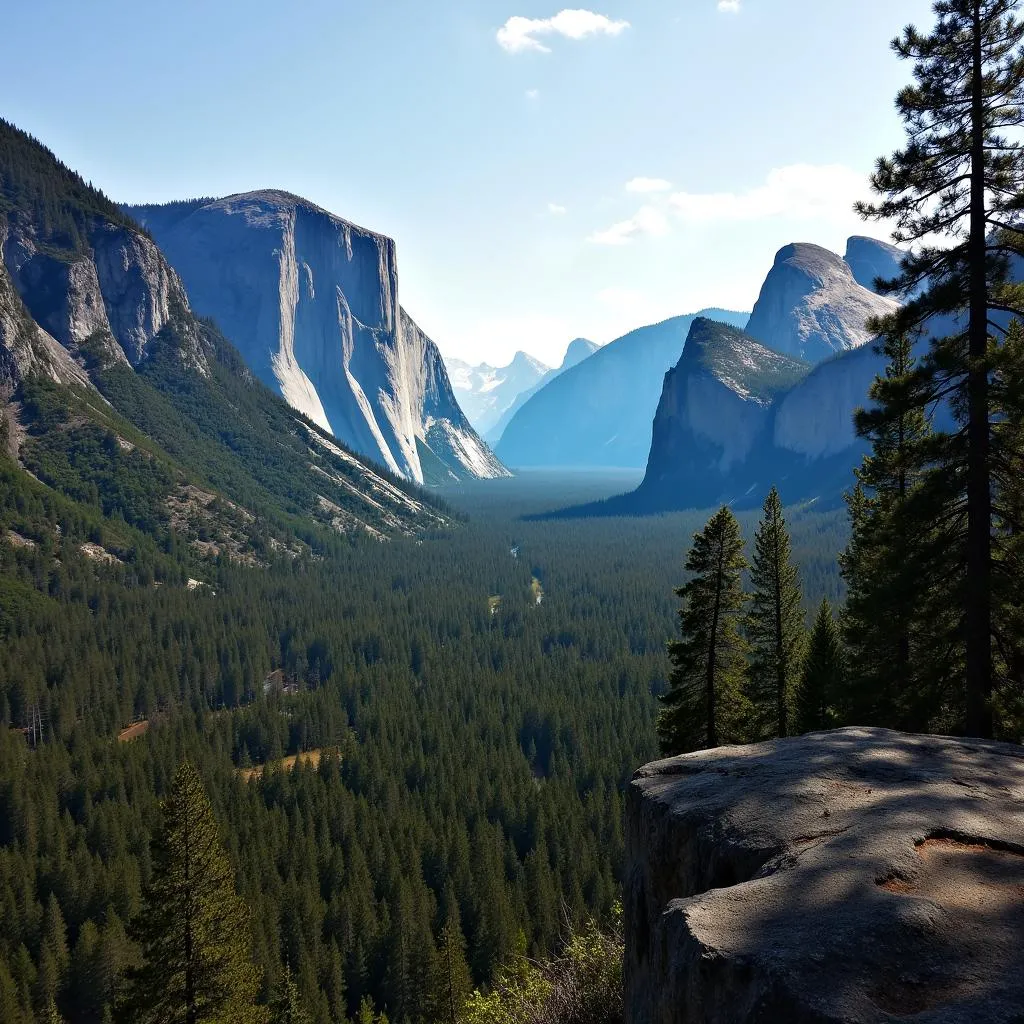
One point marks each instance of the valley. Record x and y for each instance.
(612, 618)
(479, 757)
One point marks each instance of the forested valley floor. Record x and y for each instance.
(460, 715)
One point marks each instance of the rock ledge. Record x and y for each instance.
(857, 875)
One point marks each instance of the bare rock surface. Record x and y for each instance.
(860, 875)
(811, 305)
(311, 302)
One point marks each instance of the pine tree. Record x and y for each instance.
(775, 621)
(451, 984)
(1008, 568)
(288, 1008)
(704, 705)
(822, 676)
(960, 176)
(193, 928)
(887, 557)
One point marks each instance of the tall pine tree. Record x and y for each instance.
(889, 553)
(193, 928)
(960, 177)
(822, 675)
(705, 704)
(775, 622)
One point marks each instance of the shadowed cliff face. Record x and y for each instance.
(311, 302)
(118, 296)
(812, 307)
(870, 259)
(715, 408)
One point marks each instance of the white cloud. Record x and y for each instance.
(800, 191)
(557, 209)
(648, 185)
(729, 6)
(533, 94)
(519, 34)
(648, 220)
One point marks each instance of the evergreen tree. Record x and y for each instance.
(193, 928)
(288, 1008)
(775, 621)
(451, 983)
(887, 556)
(1008, 568)
(704, 705)
(960, 176)
(822, 677)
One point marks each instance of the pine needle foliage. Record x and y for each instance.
(705, 704)
(960, 178)
(288, 1008)
(822, 675)
(193, 929)
(775, 622)
(888, 555)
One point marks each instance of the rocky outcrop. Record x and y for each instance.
(715, 407)
(577, 350)
(599, 413)
(855, 876)
(25, 346)
(118, 294)
(870, 259)
(812, 307)
(814, 419)
(311, 302)
(485, 393)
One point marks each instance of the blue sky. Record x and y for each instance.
(547, 172)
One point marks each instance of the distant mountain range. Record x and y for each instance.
(599, 412)
(485, 392)
(578, 350)
(737, 414)
(311, 302)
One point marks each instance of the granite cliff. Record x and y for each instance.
(811, 305)
(311, 302)
(114, 392)
(716, 405)
(857, 876)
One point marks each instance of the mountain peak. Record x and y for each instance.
(812, 306)
(577, 350)
(870, 259)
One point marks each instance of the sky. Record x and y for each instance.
(547, 172)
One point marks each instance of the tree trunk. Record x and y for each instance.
(978, 619)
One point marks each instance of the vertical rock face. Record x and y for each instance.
(812, 307)
(857, 876)
(715, 407)
(117, 295)
(870, 259)
(311, 302)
